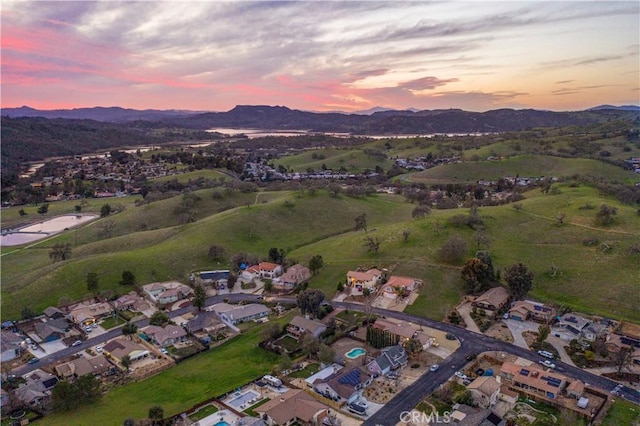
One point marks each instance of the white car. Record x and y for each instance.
(548, 364)
(434, 367)
(99, 349)
(460, 375)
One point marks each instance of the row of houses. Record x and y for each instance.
(359, 281)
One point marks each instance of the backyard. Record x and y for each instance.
(210, 374)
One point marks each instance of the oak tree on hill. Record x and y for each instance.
(519, 279)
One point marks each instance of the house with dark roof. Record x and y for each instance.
(343, 386)
(11, 346)
(51, 330)
(524, 310)
(205, 322)
(390, 359)
(53, 313)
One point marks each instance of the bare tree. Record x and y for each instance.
(372, 244)
(106, 228)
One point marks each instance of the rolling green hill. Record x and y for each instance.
(588, 278)
(523, 165)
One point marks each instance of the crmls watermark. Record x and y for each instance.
(418, 417)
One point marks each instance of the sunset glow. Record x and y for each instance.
(320, 56)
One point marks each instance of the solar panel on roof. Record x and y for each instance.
(524, 372)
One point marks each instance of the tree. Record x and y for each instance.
(309, 301)
(159, 318)
(92, 282)
(27, 313)
(105, 210)
(605, 214)
(623, 358)
(60, 252)
(560, 217)
(372, 244)
(126, 362)
(216, 252)
(128, 278)
(326, 355)
(156, 413)
(129, 329)
(316, 263)
(43, 209)
(276, 255)
(475, 274)
(543, 333)
(310, 345)
(420, 211)
(21, 212)
(271, 331)
(519, 279)
(64, 396)
(361, 222)
(453, 250)
(88, 388)
(285, 362)
(186, 210)
(482, 240)
(199, 297)
(106, 228)
(405, 235)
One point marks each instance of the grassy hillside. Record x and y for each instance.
(588, 278)
(352, 160)
(524, 165)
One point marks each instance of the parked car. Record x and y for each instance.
(480, 371)
(466, 382)
(460, 375)
(434, 367)
(548, 364)
(33, 360)
(164, 351)
(99, 349)
(77, 343)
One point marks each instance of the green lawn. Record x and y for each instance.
(308, 371)
(622, 413)
(208, 375)
(251, 410)
(203, 412)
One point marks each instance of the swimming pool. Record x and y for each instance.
(246, 397)
(355, 353)
(221, 423)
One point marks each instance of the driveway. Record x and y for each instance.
(465, 312)
(559, 344)
(517, 328)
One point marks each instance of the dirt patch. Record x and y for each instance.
(501, 332)
(381, 390)
(529, 337)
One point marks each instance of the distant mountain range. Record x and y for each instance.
(375, 121)
(108, 114)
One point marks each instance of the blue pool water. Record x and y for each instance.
(221, 424)
(355, 353)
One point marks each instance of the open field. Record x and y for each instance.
(352, 160)
(210, 374)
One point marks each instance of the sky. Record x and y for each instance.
(320, 55)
